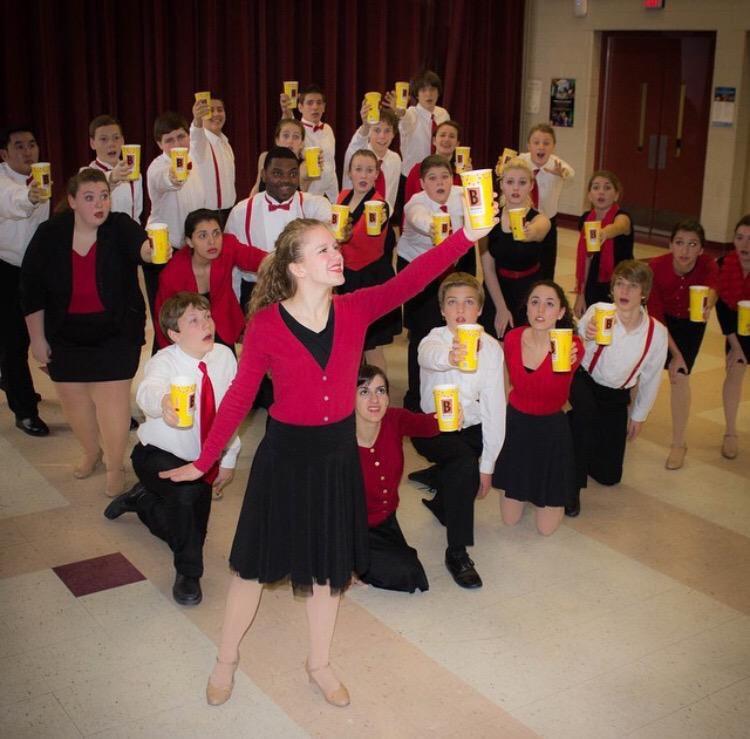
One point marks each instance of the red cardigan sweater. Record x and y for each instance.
(225, 308)
(304, 393)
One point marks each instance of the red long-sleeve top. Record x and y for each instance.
(305, 394)
(84, 297)
(383, 463)
(225, 308)
(670, 294)
(541, 392)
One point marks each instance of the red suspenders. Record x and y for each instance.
(647, 346)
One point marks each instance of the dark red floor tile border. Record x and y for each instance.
(100, 573)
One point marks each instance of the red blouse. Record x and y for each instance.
(84, 297)
(305, 394)
(362, 249)
(383, 463)
(670, 294)
(541, 392)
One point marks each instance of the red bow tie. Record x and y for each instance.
(281, 206)
(315, 128)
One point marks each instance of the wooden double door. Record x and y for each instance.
(654, 108)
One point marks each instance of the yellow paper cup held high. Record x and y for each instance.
(469, 334)
(339, 218)
(592, 231)
(131, 155)
(374, 216)
(463, 154)
(604, 320)
(373, 100)
(441, 223)
(743, 318)
(204, 95)
(516, 216)
(698, 302)
(562, 342)
(312, 161)
(504, 158)
(159, 235)
(478, 194)
(402, 95)
(446, 406)
(182, 393)
(291, 88)
(42, 174)
(179, 157)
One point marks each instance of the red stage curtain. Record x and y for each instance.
(65, 62)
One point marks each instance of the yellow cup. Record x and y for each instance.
(441, 227)
(504, 158)
(374, 217)
(373, 100)
(131, 155)
(516, 216)
(463, 154)
(743, 318)
(592, 231)
(182, 392)
(402, 95)
(562, 342)
(446, 406)
(204, 95)
(604, 320)
(469, 335)
(339, 218)
(698, 302)
(42, 174)
(291, 88)
(312, 163)
(179, 157)
(478, 194)
(159, 235)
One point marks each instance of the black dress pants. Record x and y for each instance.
(456, 454)
(176, 512)
(14, 346)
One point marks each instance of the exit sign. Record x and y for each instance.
(653, 4)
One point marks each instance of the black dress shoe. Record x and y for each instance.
(462, 568)
(187, 590)
(133, 424)
(426, 477)
(436, 507)
(573, 506)
(125, 503)
(33, 426)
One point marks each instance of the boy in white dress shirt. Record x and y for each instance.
(178, 512)
(106, 139)
(422, 312)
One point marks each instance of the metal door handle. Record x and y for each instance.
(642, 122)
(680, 121)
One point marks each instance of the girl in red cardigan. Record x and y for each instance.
(537, 464)
(304, 514)
(204, 266)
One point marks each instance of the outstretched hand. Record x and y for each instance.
(186, 473)
(474, 234)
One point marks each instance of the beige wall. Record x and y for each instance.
(560, 45)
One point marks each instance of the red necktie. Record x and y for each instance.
(281, 206)
(432, 134)
(29, 180)
(380, 179)
(216, 173)
(535, 192)
(208, 411)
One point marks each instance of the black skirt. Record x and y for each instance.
(304, 513)
(90, 348)
(537, 463)
(688, 335)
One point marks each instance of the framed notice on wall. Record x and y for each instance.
(562, 98)
(722, 110)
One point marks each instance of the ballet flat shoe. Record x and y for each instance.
(729, 449)
(86, 467)
(676, 457)
(215, 696)
(338, 697)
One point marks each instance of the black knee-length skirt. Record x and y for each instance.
(304, 514)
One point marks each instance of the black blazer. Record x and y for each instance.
(47, 273)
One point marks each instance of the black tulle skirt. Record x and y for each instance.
(304, 515)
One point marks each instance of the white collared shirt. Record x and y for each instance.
(390, 165)
(19, 217)
(617, 360)
(416, 238)
(158, 373)
(415, 129)
(206, 146)
(328, 182)
(550, 185)
(126, 197)
(481, 393)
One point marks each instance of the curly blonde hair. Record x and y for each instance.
(524, 166)
(275, 281)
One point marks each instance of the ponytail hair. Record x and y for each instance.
(87, 174)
